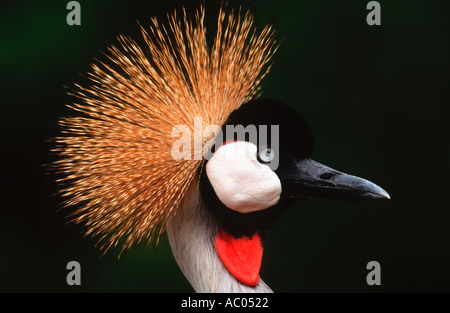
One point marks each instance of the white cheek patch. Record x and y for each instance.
(240, 181)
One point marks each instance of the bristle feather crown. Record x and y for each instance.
(116, 158)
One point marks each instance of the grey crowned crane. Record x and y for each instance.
(219, 194)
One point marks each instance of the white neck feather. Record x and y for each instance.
(191, 235)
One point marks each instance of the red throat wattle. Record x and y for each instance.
(241, 256)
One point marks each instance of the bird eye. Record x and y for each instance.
(266, 155)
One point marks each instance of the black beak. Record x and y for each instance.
(309, 179)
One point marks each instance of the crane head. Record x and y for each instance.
(250, 180)
(116, 157)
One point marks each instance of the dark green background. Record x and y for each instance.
(376, 98)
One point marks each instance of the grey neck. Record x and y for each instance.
(191, 235)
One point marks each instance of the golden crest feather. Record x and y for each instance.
(116, 157)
